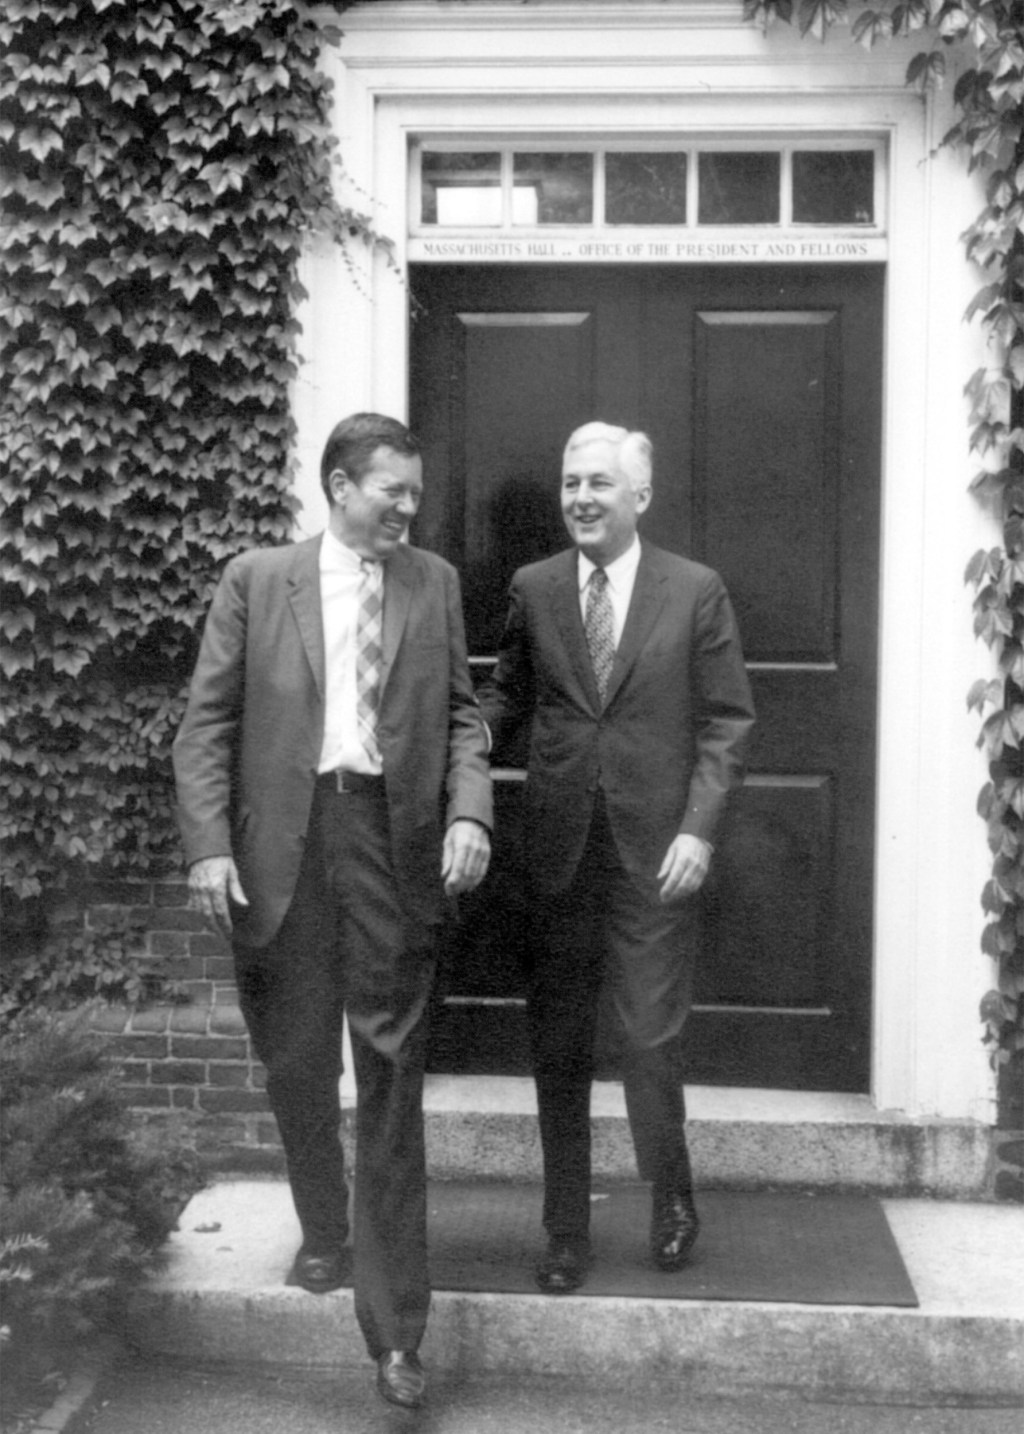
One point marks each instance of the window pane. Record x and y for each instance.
(738, 189)
(645, 188)
(831, 187)
(461, 188)
(553, 188)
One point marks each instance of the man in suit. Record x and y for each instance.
(625, 663)
(333, 787)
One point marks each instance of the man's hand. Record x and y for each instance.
(210, 882)
(685, 866)
(465, 857)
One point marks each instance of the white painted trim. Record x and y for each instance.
(413, 69)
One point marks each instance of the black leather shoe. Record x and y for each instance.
(564, 1267)
(674, 1229)
(400, 1378)
(320, 1273)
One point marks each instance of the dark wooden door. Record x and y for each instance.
(760, 388)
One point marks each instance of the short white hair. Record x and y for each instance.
(634, 452)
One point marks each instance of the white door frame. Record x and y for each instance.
(408, 71)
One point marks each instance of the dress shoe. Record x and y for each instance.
(319, 1273)
(400, 1378)
(674, 1229)
(564, 1267)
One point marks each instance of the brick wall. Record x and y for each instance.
(189, 1062)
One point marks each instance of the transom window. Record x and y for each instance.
(518, 187)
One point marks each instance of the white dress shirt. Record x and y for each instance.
(339, 600)
(621, 575)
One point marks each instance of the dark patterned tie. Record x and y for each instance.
(600, 628)
(369, 650)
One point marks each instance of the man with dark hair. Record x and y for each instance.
(625, 663)
(333, 788)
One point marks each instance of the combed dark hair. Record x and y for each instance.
(354, 441)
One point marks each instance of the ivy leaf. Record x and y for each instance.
(39, 140)
(994, 1007)
(14, 621)
(983, 300)
(1013, 795)
(1011, 662)
(221, 177)
(979, 567)
(164, 64)
(91, 70)
(1015, 364)
(982, 30)
(953, 22)
(870, 27)
(987, 141)
(818, 16)
(16, 312)
(927, 70)
(43, 192)
(993, 899)
(992, 624)
(94, 156)
(986, 436)
(984, 693)
(127, 88)
(74, 291)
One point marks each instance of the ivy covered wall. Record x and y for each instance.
(162, 162)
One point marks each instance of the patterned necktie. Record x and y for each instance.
(600, 628)
(369, 651)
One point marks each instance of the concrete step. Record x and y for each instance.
(221, 1297)
(486, 1126)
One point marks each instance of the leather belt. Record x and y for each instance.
(351, 782)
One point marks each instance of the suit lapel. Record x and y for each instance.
(399, 582)
(645, 605)
(304, 597)
(565, 607)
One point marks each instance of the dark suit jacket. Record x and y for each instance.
(246, 756)
(667, 745)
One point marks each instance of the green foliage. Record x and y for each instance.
(71, 968)
(84, 1205)
(987, 38)
(163, 160)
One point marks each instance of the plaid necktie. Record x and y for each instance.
(369, 650)
(600, 628)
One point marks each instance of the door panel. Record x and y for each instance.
(760, 390)
(778, 839)
(512, 365)
(765, 476)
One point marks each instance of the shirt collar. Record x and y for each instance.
(621, 571)
(335, 557)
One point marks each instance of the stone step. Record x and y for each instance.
(221, 1297)
(486, 1126)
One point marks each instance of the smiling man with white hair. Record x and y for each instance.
(624, 662)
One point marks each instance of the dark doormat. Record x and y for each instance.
(800, 1249)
